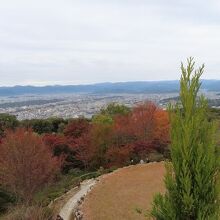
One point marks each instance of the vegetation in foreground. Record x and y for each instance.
(192, 177)
(42, 159)
(47, 157)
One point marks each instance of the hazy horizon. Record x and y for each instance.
(95, 83)
(85, 42)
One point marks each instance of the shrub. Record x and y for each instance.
(154, 156)
(29, 213)
(5, 200)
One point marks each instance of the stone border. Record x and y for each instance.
(71, 209)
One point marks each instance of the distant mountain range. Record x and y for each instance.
(119, 87)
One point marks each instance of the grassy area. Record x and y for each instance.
(122, 194)
(24, 212)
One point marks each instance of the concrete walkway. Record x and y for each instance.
(67, 211)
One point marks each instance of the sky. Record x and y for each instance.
(47, 42)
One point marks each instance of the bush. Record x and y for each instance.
(155, 157)
(29, 213)
(5, 200)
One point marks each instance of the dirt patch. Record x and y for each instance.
(118, 195)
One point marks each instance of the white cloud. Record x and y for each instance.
(83, 41)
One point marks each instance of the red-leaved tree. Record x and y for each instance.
(26, 163)
(145, 128)
(118, 156)
(76, 128)
(85, 150)
(143, 121)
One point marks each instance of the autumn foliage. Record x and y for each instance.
(113, 139)
(144, 130)
(26, 163)
(32, 152)
(116, 136)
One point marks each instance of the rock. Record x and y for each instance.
(59, 218)
(141, 162)
(78, 215)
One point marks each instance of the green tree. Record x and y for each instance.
(114, 109)
(102, 119)
(7, 122)
(42, 126)
(192, 177)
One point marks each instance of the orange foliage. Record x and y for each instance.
(162, 126)
(118, 156)
(143, 121)
(130, 136)
(146, 128)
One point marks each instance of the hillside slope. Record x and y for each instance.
(117, 196)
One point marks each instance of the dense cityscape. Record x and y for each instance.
(80, 104)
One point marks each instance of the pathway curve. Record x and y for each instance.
(67, 211)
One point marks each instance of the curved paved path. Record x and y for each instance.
(67, 211)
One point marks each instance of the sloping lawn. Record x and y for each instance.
(122, 194)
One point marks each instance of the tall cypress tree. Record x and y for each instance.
(193, 173)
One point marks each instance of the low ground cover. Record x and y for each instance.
(122, 194)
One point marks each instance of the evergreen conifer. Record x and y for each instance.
(193, 173)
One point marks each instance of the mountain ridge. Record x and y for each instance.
(107, 87)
